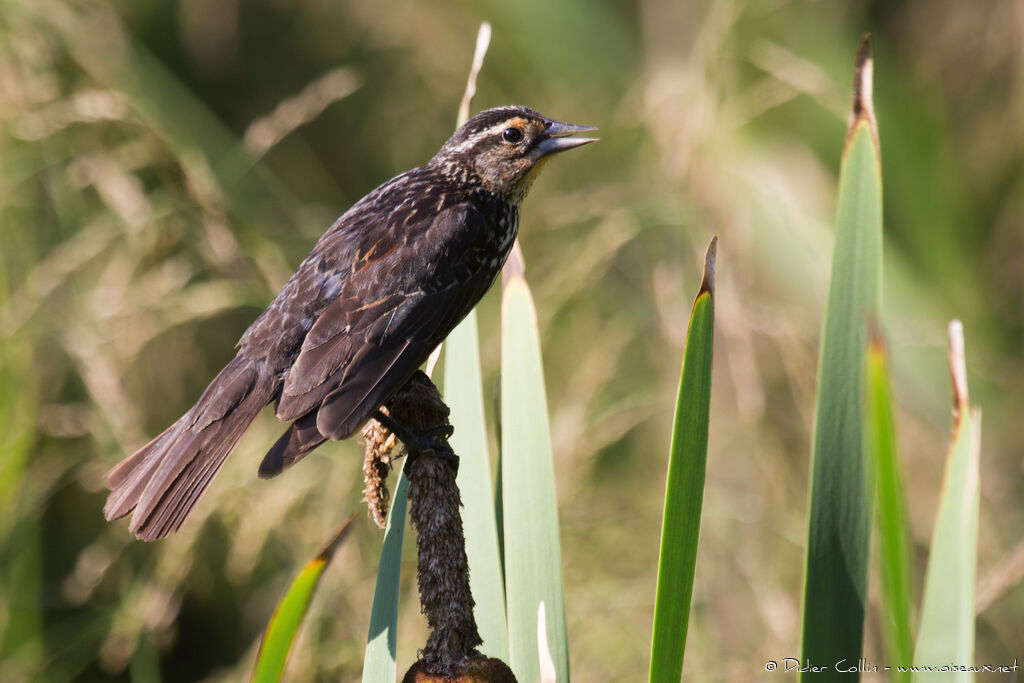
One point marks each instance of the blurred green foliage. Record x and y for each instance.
(165, 165)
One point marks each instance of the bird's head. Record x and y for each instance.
(506, 147)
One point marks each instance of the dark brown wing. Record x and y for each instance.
(392, 312)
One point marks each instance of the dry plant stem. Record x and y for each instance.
(434, 503)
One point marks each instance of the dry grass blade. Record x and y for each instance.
(483, 41)
(265, 132)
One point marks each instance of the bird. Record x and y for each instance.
(382, 287)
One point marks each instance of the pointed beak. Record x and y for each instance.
(556, 138)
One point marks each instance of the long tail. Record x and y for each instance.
(163, 480)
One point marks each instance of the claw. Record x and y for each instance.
(443, 431)
(434, 449)
(422, 444)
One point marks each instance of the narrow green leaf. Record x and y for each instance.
(382, 642)
(145, 664)
(893, 534)
(22, 626)
(287, 618)
(684, 490)
(841, 495)
(533, 555)
(463, 392)
(464, 395)
(946, 634)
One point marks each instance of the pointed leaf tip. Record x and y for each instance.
(876, 338)
(327, 552)
(291, 610)
(958, 369)
(863, 104)
(707, 283)
(863, 62)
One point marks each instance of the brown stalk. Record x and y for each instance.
(442, 569)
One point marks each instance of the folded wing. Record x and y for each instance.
(364, 346)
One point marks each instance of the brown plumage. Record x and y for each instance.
(383, 286)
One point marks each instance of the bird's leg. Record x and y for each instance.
(426, 443)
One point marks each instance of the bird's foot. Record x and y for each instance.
(426, 443)
(443, 431)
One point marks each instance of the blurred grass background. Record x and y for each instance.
(165, 165)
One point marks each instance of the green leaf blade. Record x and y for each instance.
(533, 556)
(464, 395)
(946, 633)
(287, 618)
(684, 491)
(842, 487)
(893, 530)
(379, 661)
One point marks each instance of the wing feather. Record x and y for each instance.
(364, 346)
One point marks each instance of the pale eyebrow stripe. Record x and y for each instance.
(496, 128)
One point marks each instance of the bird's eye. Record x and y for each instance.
(512, 135)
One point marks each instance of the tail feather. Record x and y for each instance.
(302, 437)
(128, 478)
(128, 467)
(163, 480)
(174, 506)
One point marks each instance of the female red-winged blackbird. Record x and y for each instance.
(383, 286)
